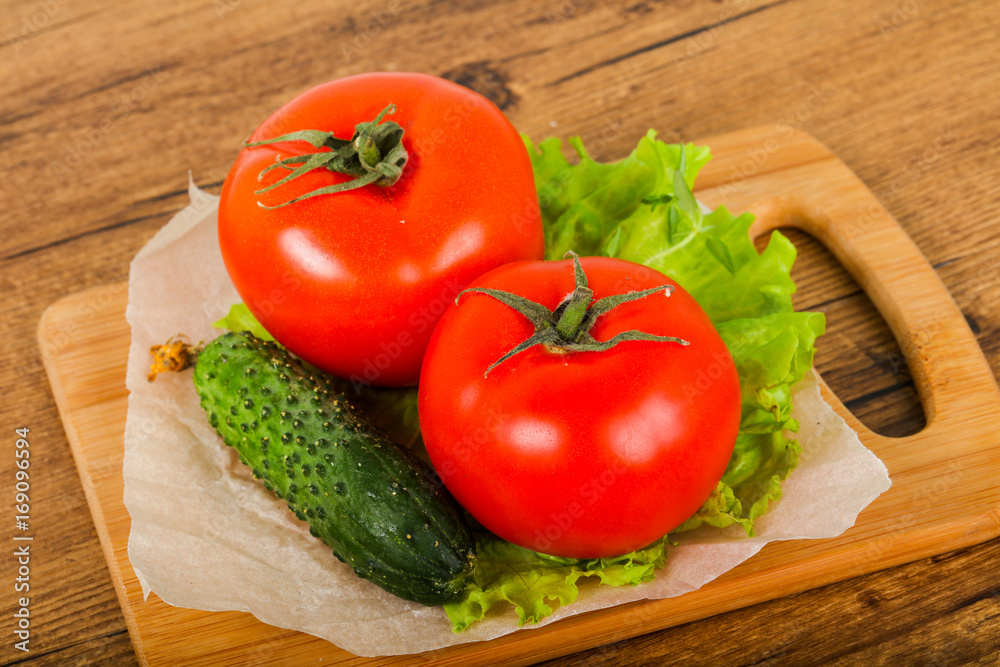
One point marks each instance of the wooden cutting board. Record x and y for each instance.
(945, 493)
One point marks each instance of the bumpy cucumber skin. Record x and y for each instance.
(369, 500)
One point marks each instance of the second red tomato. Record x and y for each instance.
(579, 453)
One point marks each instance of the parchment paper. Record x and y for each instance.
(206, 535)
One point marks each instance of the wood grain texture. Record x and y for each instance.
(128, 96)
(943, 496)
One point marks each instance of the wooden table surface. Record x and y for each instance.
(105, 106)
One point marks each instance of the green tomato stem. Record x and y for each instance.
(567, 328)
(374, 155)
(575, 310)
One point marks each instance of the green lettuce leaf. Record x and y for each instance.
(239, 318)
(583, 203)
(771, 353)
(506, 573)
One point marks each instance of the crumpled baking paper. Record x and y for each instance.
(206, 535)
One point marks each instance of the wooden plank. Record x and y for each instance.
(944, 495)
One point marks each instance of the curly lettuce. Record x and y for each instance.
(528, 580)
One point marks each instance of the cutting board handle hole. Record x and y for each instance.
(858, 356)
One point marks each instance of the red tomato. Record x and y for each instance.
(579, 454)
(354, 282)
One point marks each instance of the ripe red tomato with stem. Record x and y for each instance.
(564, 405)
(361, 208)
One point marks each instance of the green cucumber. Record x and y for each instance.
(376, 505)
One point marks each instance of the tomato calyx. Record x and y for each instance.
(567, 328)
(374, 155)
